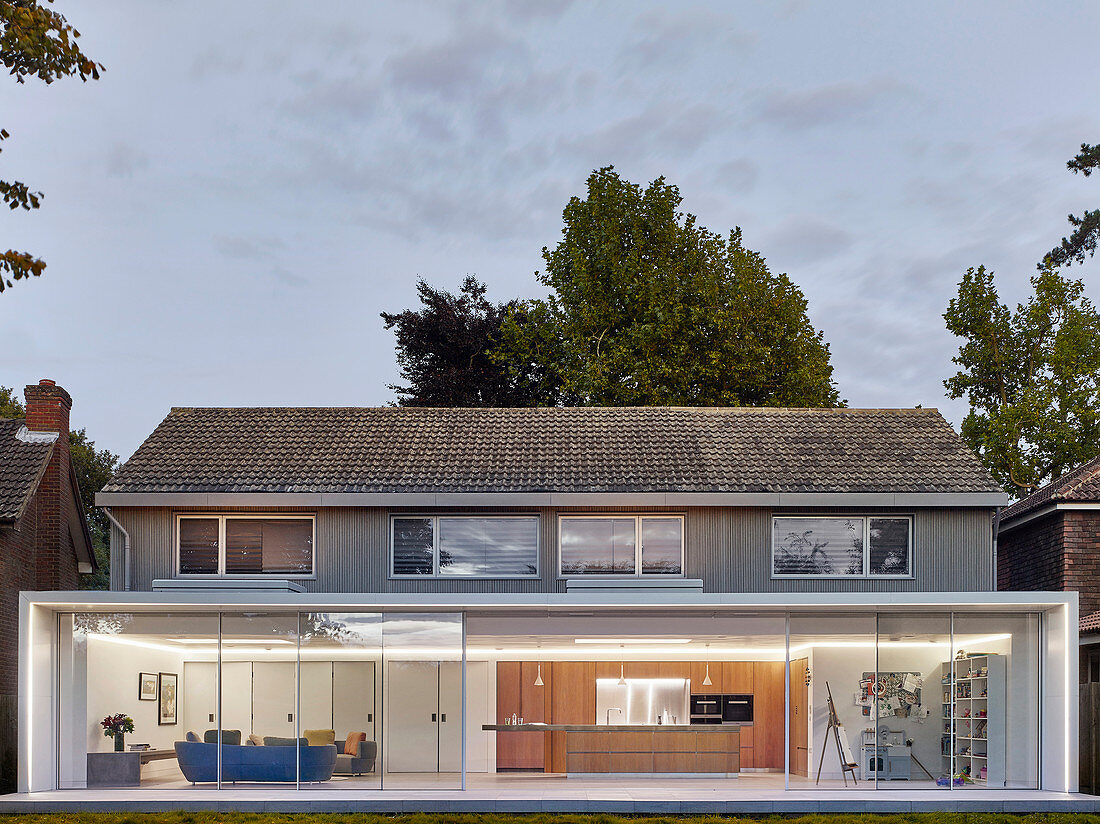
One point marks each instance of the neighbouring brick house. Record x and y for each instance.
(44, 539)
(1050, 540)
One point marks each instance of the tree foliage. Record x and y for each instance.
(35, 41)
(444, 351)
(1031, 376)
(649, 308)
(1086, 229)
(93, 469)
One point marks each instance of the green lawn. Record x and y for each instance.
(538, 818)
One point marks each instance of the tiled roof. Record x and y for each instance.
(1081, 484)
(594, 449)
(1090, 624)
(22, 462)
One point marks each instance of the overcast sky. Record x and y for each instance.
(230, 207)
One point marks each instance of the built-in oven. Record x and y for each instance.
(706, 709)
(737, 709)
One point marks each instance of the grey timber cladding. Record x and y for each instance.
(587, 450)
(729, 548)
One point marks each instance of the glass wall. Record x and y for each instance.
(832, 658)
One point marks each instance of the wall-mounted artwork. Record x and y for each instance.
(147, 686)
(898, 694)
(168, 696)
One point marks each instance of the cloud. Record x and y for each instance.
(737, 176)
(808, 239)
(660, 128)
(123, 160)
(826, 104)
(458, 66)
(683, 35)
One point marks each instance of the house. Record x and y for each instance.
(44, 540)
(1051, 540)
(388, 599)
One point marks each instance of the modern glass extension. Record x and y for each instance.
(392, 698)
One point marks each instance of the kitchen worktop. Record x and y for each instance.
(612, 727)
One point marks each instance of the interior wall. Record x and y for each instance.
(842, 668)
(113, 672)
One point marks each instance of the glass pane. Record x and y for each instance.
(911, 738)
(274, 545)
(260, 740)
(198, 546)
(889, 550)
(422, 706)
(488, 546)
(412, 546)
(817, 546)
(997, 700)
(833, 660)
(597, 546)
(154, 675)
(661, 543)
(340, 671)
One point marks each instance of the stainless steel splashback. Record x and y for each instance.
(642, 701)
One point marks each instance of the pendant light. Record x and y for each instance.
(538, 677)
(622, 674)
(706, 677)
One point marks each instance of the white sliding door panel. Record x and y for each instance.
(273, 698)
(316, 701)
(450, 716)
(236, 696)
(480, 709)
(412, 717)
(353, 707)
(199, 692)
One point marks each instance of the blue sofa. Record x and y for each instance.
(199, 762)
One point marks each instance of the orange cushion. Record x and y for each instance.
(351, 746)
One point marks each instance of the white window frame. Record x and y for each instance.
(221, 518)
(866, 517)
(637, 518)
(436, 575)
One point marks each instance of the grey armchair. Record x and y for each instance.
(362, 762)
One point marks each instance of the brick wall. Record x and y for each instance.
(1029, 557)
(1081, 540)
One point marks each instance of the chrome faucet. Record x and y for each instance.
(616, 709)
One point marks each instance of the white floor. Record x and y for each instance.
(518, 792)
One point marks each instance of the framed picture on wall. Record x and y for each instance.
(167, 710)
(148, 686)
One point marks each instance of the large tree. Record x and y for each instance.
(649, 308)
(1086, 229)
(1031, 376)
(93, 469)
(443, 351)
(35, 41)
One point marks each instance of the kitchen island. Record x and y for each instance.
(632, 749)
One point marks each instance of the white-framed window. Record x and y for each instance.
(245, 545)
(620, 545)
(842, 546)
(464, 546)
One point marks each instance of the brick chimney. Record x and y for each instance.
(48, 408)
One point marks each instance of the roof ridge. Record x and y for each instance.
(707, 409)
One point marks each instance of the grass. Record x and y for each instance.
(537, 818)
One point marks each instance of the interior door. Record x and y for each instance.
(237, 696)
(799, 753)
(273, 698)
(353, 707)
(412, 717)
(450, 716)
(316, 701)
(200, 695)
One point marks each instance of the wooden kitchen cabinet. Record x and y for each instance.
(736, 677)
(799, 707)
(517, 694)
(572, 701)
(769, 724)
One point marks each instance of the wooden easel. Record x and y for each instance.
(840, 737)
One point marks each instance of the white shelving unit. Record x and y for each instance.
(973, 718)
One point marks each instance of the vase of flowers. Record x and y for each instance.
(116, 727)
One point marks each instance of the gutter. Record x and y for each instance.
(125, 548)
